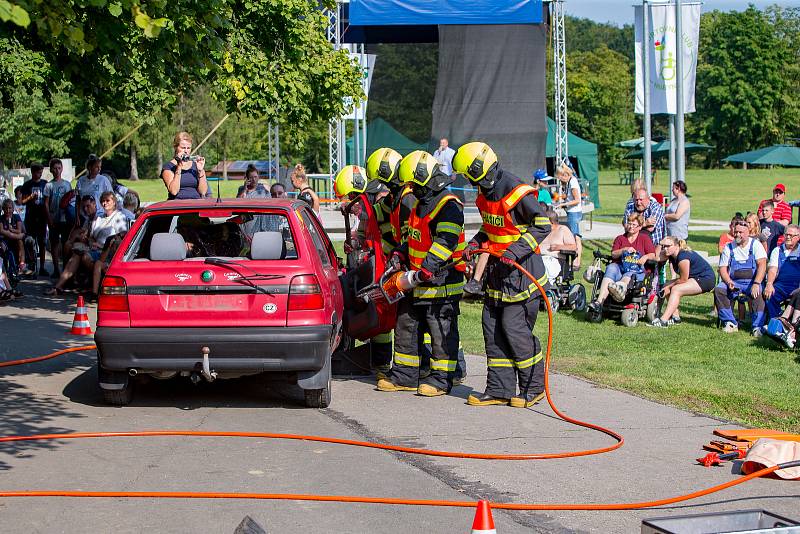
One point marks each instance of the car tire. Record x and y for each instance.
(318, 398)
(119, 397)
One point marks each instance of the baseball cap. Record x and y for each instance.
(779, 186)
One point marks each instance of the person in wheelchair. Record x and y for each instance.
(784, 328)
(629, 252)
(559, 250)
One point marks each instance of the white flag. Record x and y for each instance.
(367, 63)
(663, 65)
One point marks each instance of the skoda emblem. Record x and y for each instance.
(207, 276)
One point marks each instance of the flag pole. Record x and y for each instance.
(646, 155)
(680, 154)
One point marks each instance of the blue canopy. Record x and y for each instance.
(428, 12)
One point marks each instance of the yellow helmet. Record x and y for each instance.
(382, 165)
(351, 179)
(418, 167)
(474, 160)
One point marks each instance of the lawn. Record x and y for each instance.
(154, 190)
(715, 194)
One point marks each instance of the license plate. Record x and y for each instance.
(207, 303)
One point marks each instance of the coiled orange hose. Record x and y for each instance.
(366, 444)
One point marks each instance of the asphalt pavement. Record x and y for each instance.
(61, 395)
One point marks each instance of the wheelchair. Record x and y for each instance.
(562, 290)
(10, 265)
(641, 299)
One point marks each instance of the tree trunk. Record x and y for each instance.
(134, 165)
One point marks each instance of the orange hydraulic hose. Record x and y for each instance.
(395, 448)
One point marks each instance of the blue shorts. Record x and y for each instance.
(614, 272)
(94, 254)
(573, 222)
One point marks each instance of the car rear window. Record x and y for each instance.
(227, 236)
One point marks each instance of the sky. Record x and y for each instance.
(620, 12)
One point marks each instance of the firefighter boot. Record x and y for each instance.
(484, 400)
(386, 384)
(426, 390)
(527, 400)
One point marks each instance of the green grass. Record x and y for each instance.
(716, 194)
(155, 190)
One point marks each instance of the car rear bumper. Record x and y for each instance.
(299, 348)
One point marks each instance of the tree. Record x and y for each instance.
(746, 82)
(260, 58)
(599, 92)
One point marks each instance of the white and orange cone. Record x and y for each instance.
(80, 323)
(483, 523)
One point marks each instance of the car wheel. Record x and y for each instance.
(122, 392)
(318, 398)
(629, 317)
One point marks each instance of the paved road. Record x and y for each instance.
(60, 396)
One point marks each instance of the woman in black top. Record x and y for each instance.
(190, 182)
(304, 191)
(695, 276)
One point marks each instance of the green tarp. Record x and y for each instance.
(786, 155)
(381, 134)
(582, 150)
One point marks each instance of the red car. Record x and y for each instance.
(219, 289)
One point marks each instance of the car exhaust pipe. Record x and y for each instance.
(207, 372)
(133, 372)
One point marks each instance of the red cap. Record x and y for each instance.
(779, 186)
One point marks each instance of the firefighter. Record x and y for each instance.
(350, 184)
(433, 249)
(383, 166)
(514, 223)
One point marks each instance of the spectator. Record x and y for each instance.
(278, 191)
(190, 182)
(783, 271)
(678, 212)
(106, 255)
(60, 228)
(12, 233)
(542, 193)
(726, 238)
(112, 222)
(19, 205)
(789, 322)
(630, 252)
(252, 188)
(742, 268)
(444, 155)
(695, 276)
(652, 212)
(36, 213)
(753, 225)
(79, 236)
(92, 183)
(130, 205)
(559, 239)
(783, 212)
(305, 193)
(771, 230)
(573, 205)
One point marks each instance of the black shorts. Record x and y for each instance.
(706, 284)
(37, 229)
(60, 232)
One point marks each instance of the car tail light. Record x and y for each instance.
(305, 293)
(113, 295)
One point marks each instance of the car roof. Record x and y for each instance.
(225, 203)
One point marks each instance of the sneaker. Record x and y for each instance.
(658, 323)
(676, 319)
(756, 333)
(474, 288)
(617, 291)
(526, 401)
(427, 390)
(730, 328)
(385, 384)
(595, 306)
(484, 399)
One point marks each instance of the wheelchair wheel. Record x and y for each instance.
(629, 317)
(652, 310)
(554, 299)
(594, 316)
(577, 297)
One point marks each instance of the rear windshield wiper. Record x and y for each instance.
(243, 278)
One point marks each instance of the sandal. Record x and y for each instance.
(53, 291)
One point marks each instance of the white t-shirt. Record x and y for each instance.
(95, 187)
(774, 257)
(108, 225)
(574, 184)
(741, 253)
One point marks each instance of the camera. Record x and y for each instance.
(186, 157)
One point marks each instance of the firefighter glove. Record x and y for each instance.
(397, 260)
(421, 276)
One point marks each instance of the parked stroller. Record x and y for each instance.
(641, 299)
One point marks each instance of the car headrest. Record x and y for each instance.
(267, 246)
(167, 247)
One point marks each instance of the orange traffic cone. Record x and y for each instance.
(483, 523)
(80, 323)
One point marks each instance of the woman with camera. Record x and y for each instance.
(190, 182)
